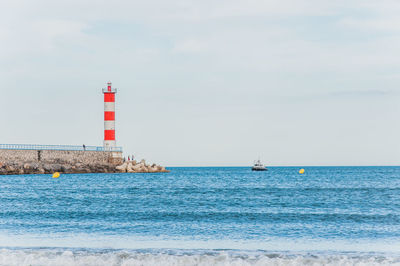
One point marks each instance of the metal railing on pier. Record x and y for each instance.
(57, 147)
(113, 90)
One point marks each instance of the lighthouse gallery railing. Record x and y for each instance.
(57, 147)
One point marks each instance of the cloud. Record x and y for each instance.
(388, 25)
(362, 93)
(190, 46)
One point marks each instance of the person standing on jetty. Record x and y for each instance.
(84, 147)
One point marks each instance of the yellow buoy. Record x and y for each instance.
(301, 171)
(56, 175)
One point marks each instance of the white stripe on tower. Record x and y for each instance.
(109, 107)
(109, 125)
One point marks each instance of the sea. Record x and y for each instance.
(203, 216)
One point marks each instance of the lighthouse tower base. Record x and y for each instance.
(109, 144)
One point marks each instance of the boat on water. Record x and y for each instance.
(258, 166)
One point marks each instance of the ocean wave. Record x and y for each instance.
(58, 257)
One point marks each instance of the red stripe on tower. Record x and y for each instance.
(109, 97)
(109, 116)
(109, 134)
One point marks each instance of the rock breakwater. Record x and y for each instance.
(16, 168)
(21, 168)
(141, 167)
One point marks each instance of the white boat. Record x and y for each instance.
(258, 166)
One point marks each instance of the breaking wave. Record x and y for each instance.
(58, 256)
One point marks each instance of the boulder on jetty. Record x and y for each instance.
(141, 167)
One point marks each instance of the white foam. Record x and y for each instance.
(58, 257)
(135, 242)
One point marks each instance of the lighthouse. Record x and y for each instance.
(109, 117)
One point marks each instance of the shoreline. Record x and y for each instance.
(109, 256)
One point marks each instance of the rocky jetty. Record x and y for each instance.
(20, 168)
(17, 168)
(141, 167)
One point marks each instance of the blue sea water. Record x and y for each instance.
(203, 216)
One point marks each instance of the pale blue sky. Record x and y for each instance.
(302, 82)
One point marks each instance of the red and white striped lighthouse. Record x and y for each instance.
(109, 116)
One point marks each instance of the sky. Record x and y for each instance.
(207, 83)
